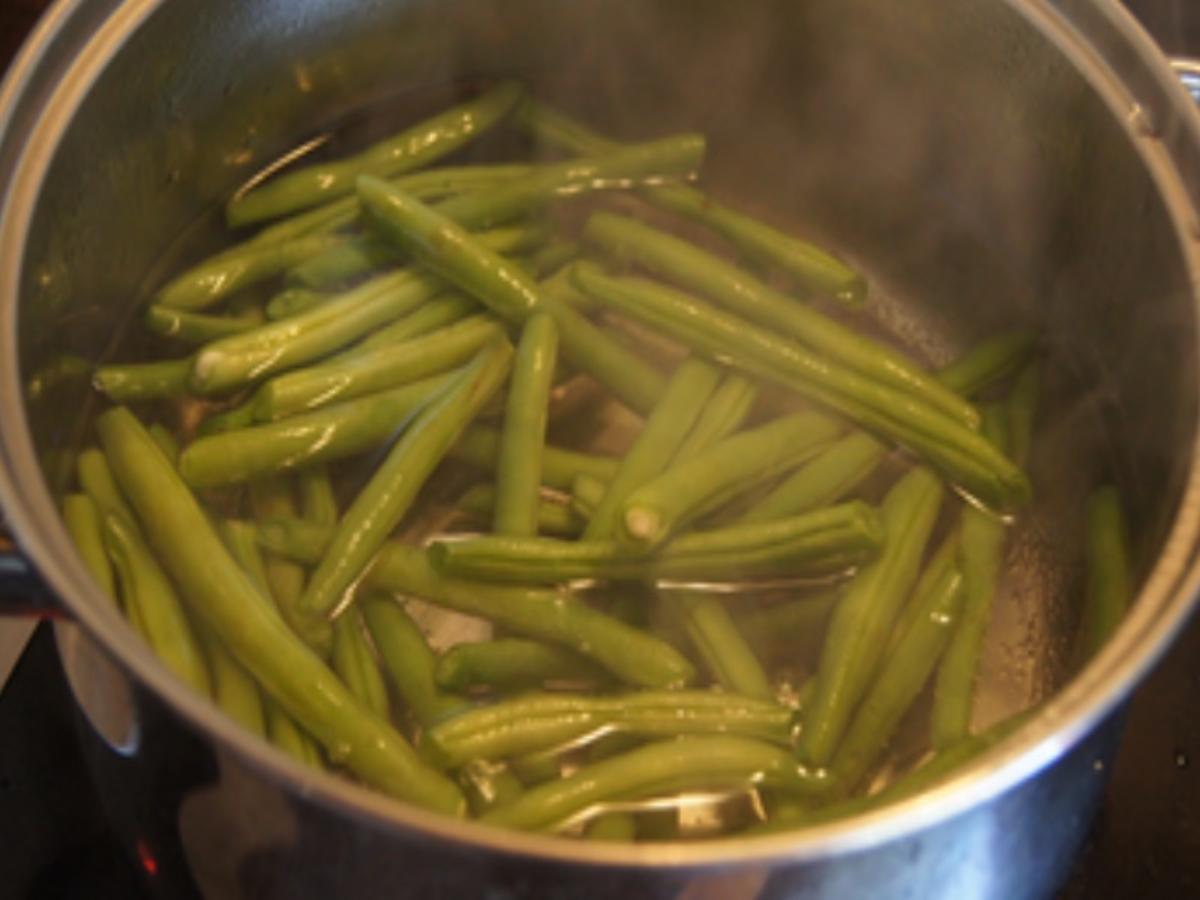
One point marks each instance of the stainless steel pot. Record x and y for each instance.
(988, 162)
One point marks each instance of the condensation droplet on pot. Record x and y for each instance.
(1181, 759)
(1098, 765)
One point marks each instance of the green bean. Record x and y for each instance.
(61, 369)
(235, 361)
(273, 498)
(552, 257)
(988, 362)
(629, 653)
(413, 148)
(291, 301)
(221, 595)
(488, 785)
(519, 465)
(900, 680)
(818, 543)
(428, 185)
(650, 514)
(300, 441)
(719, 644)
(437, 313)
(166, 442)
(841, 467)
(672, 765)
(512, 664)
(368, 253)
(859, 629)
(672, 157)
(813, 267)
(216, 279)
(934, 770)
(586, 494)
(943, 560)
(539, 721)
(966, 457)
(385, 499)
(82, 519)
(549, 615)
(1021, 410)
(481, 447)
(96, 479)
(722, 416)
(614, 826)
(241, 540)
(657, 443)
(980, 556)
(364, 372)
(196, 328)
(362, 255)
(1109, 570)
(790, 627)
(287, 736)
(552, 518)
(147, 589)
(739, 292)
(233, 689)
(408, 661)
(354, 662)
(830, 475)
(138, 382)
(436, 241)
(318, 502)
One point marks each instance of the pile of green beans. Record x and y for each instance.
(734, 568)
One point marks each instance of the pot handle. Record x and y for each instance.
(22, 591)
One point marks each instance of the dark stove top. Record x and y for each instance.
(54, 842)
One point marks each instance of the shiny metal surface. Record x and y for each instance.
(1050, 181)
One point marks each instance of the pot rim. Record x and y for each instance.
(49, 79)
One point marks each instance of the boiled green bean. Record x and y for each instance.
(813, 267)
(522, 442)
(83, 522)
(146, 588)
(220, 594)
(818, 543)
(858, 632)
(354, 662)
(1109, 584)
(739, 292)
(988, 362)
(719, 644)
(332, 433)
(965, 456)
(408, 661)
(540, 721)
(237, 360)
(481, 447)
(138, 382)
(553, 518)
(412, 148)
(655, 446)
(656, 509)
(362, 372)
(385, 499)
(513, 664)
(673, 765)
(980, 557)
(900, 680)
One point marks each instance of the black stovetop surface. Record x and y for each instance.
(55, 843)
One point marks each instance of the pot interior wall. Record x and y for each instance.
(946, 148)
